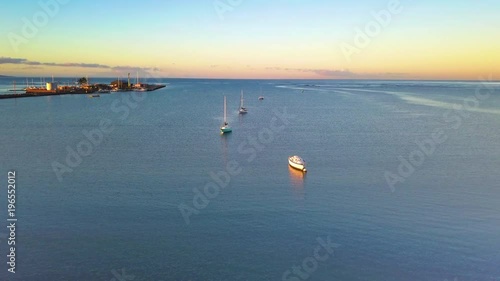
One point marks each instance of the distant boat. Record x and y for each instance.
(261, 98)
(94, 96)
(103, 91)
(242, 109)
(297, 163)
(138, 87)
(225, 127)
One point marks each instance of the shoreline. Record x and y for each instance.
(45, 93)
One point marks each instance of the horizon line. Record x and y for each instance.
(273, 79)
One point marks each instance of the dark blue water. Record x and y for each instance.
(116, 216)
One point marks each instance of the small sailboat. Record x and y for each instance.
(297, 163)
(242, 109)
(138, 87)
(225, 127)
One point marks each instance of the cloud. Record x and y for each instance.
(22, 61)
(395, 74)
(125, 68)
(320, 72)
(32, 67)
(131, 69)
(6, 60)
(273, 68)
(332, 73)
(343, 73)
(90, 65)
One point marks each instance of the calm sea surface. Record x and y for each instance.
(115, 212)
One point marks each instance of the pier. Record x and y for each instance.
(73, 90)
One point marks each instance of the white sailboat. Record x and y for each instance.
(261, 97)
(242, 109)
(225, 127)
(138, 86)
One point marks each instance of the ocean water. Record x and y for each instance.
(403, 180)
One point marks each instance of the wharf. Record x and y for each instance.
(43, 92)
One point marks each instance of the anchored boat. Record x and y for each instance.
(225, 127)
(297, 163)
(261, 97)
(242, 109)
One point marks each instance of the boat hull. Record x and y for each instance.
(225, 130)
(298, 166)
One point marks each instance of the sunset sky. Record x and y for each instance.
(252, 39)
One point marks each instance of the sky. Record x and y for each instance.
(280, 39)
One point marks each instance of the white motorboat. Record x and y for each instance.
(297, 163)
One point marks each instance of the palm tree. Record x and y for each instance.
(82, 81)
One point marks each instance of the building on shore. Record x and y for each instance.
(51, 86)
(119, 84)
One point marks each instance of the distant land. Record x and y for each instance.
(5, 76)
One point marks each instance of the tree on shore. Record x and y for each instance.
(82, 81)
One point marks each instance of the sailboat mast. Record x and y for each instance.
(224, 109)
